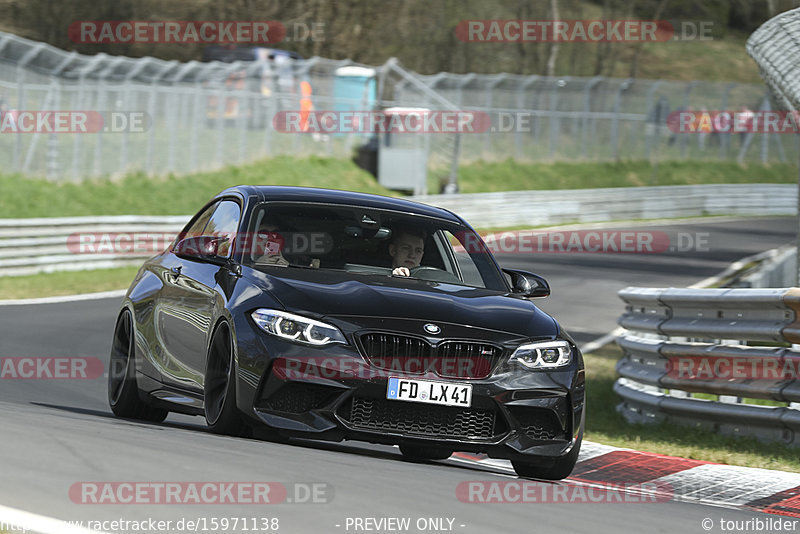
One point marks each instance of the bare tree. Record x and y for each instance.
(553, 55)
(662, 4)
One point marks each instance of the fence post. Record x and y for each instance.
(53, 153)
(24, 60)
(487, 135)
(615, 121)
(102, 98)
(52, 141)
(81, 97)
(654, 111)
(34, 140)
(181, 105)
(521, 105)
(587, 108)
(683, 138)
(555, 121)
(725, 137)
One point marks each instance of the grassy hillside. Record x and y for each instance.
(138, 194)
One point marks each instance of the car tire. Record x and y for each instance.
(557, 470)
(219, 386)
(422, 453)
(123, 392)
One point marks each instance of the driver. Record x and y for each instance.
(406, 249)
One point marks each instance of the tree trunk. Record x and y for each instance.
(553, 56)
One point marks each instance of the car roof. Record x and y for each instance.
(265, 193)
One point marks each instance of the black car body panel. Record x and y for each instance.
(339, 391)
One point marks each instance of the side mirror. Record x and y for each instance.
(528, 284)
(202, 248)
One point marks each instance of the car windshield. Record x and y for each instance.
(368, 241)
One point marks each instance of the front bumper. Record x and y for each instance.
(333, 393)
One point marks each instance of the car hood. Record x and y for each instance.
(341, 294)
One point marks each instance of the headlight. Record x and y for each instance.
(297, 328)
(543, 355)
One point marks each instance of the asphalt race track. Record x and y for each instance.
(57, 434)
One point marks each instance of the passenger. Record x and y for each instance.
(271, 242)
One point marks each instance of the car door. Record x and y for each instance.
(185, 308)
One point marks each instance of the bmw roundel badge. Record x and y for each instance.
(432, 328)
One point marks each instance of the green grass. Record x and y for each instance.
(721, 59)
(138, 194)
(605, 425)
(513, 176)
(66, 283)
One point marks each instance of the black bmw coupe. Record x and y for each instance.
(334, 315)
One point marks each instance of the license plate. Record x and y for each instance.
(428, 391)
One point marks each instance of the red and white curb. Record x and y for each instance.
(762, 490)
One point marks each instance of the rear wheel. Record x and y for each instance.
(123, 393)
(222, 415)
(420, 453)
(557, 470)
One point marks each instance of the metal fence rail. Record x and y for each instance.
(699, 357)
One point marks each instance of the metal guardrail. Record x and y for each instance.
(513, 208)
(777, 270)
(732, 344)
(29, 246)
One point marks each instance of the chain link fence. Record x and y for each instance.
(206, 115)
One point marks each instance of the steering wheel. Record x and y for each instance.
(433, 274)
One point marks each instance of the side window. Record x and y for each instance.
(196, 228)
(470, 273)
(223, 223)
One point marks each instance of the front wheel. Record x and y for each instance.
(222, 415)
(123, 393)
